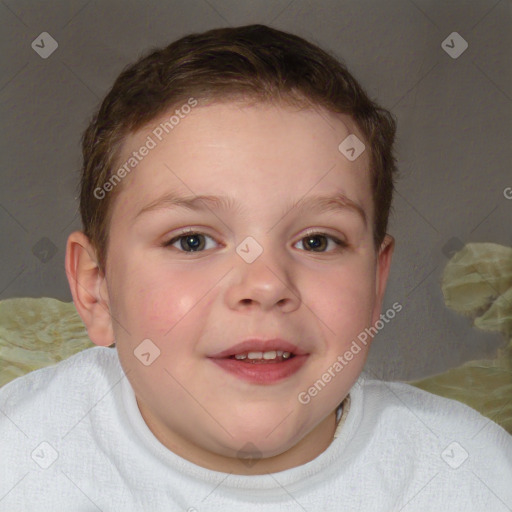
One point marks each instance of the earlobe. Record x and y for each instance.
(88, 288)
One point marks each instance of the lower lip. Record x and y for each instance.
(262, 373)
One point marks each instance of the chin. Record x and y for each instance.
(269, 438)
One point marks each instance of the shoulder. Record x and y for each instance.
(426, 449)
(443, 414)
(419, 416)
(56, 421)
(83, 370)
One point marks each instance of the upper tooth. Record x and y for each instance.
(271, 354)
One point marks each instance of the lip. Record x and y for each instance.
(262, 373)
(258, 345)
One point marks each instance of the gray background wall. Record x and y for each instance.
(454, 136)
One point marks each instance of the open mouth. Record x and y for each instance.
(262, 367)
(261, 361)
(272, 356)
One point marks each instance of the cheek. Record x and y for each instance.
(344, 298)
(155, 299)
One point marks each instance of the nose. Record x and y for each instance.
(266, 283)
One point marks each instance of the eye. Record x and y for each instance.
(190, 241)
(193, 241)
(319, 241)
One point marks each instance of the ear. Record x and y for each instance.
(383, 266)
(89, 288)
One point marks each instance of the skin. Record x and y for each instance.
(195, 304)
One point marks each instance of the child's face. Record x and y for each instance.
(309, 291)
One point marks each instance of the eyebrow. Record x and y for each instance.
(338, 202)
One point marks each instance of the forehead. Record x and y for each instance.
(256, 153)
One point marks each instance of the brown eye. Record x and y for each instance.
(189, 242)
(318, 242)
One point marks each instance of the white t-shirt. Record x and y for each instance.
(72, 439)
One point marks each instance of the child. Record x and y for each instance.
(235, 195)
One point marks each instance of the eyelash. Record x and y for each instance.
(340, 243)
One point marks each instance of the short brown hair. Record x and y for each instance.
(254, 62)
